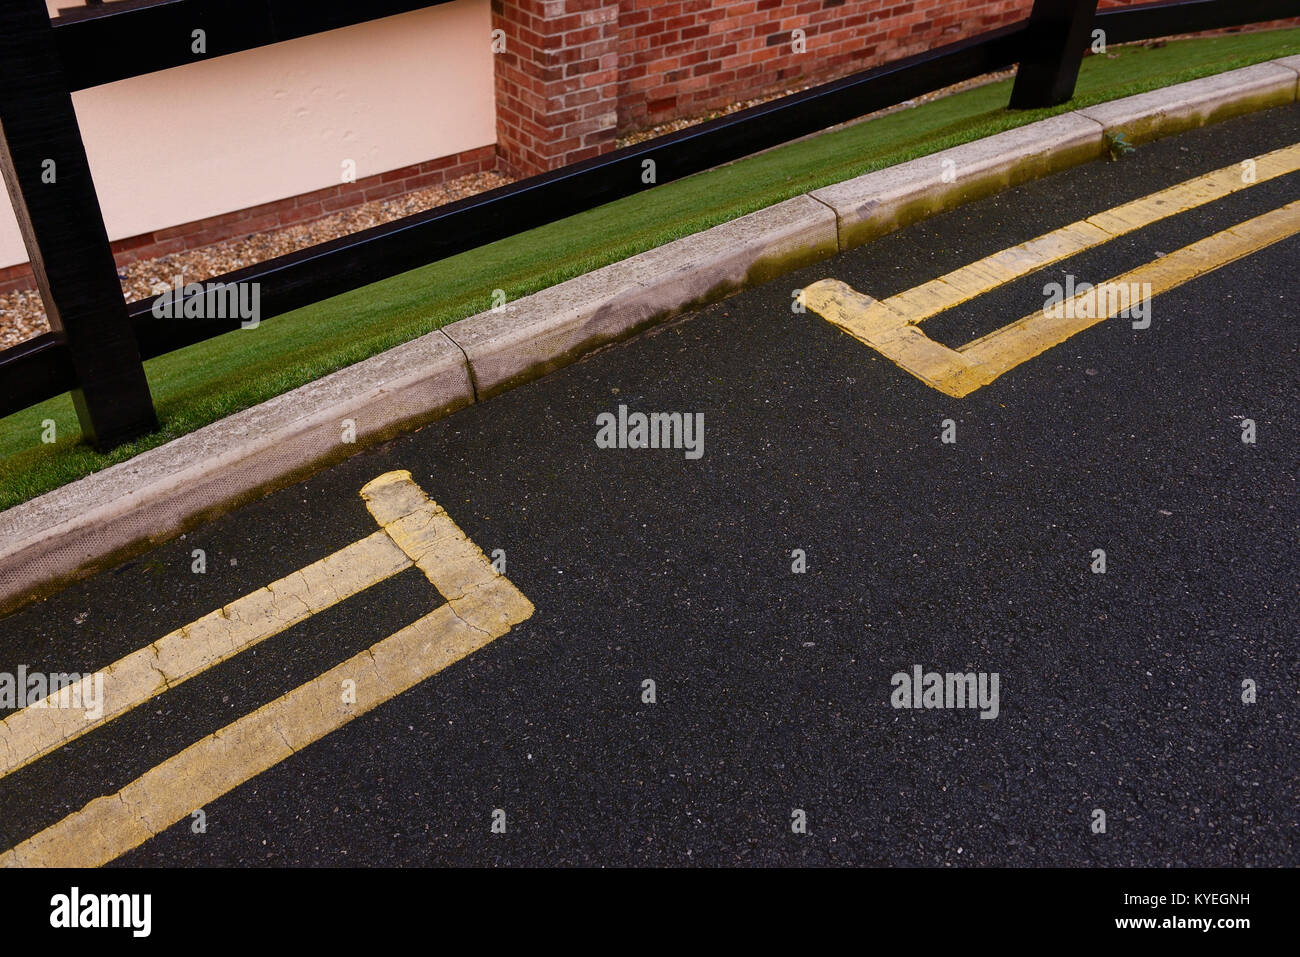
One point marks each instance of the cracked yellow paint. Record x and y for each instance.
(454, 565)
(481, 607)
(892, 326)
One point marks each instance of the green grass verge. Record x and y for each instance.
(202, 383)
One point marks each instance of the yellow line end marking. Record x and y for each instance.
(892, 326)
(481, 607)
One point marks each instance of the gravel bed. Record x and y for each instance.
(22, 314)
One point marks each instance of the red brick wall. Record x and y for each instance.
(684, 57)
(680, 58)
(556, 81)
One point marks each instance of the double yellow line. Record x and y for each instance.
(481, 607)
(892, 326)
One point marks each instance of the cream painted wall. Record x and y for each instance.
(253, 127)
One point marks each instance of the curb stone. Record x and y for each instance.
(1210, 99)
(552, 328)
(107, 517)
(880, 202)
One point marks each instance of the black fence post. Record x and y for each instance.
(1057, 34)
(48, 177)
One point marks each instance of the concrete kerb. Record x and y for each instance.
(1291, 63)
(107, 517)
(1207, 100)
(880, 202)
(549, 329)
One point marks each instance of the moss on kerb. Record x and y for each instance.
(938, 197)
(1158, 125)
(771, 264)
(774, 264)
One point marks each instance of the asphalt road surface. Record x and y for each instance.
(1119, 692)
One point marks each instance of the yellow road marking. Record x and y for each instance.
(1006, 348)
(481, 607)
(131, 681)
(960, 285)
(958, 372)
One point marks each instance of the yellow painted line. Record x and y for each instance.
(481, 606)
(129, 682)
(958, 372)
(961, 285)
(996, 353)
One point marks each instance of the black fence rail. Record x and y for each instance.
(98, 342)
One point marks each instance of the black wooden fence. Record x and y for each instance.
(98, 342)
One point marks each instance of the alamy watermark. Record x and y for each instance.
(35, 689)
(1083, 300)
(133, 912)
(930, 689)
(654, 430)
(212, 300)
